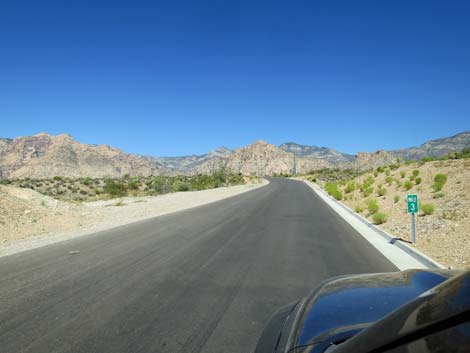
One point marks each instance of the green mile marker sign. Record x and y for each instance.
(413, 205)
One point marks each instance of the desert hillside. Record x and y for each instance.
(443, 224)
(46, 156)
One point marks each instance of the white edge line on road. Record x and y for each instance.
(403, 256)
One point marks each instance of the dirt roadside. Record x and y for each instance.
(29, 219)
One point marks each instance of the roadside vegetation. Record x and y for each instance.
(443, 187)
(91, 189)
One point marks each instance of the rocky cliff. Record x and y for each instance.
(46, 156)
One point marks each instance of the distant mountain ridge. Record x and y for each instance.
(435, 148)
(45, 156)
(186, 164)
(314, 152)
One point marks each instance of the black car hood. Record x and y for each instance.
(342, 307)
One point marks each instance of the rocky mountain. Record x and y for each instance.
(189, 164)
(435, 148)
(370, 160)
(45, 156)
(318, 153)
(262, 158)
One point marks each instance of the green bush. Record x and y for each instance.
(427, 208)
(372, 206)
(379, 218)
(416, 172)
(57, 178)
(439, 182)
(387, 172)
(182, 187)
(115, 189)
(368, 182)
(418, 181)
(402, 174)
(368, 191)
(133, 185)
(350, 187)
(376, 172)
(440, 178)
(332, 189)
(381, 191)
(359, 208)
(389, 180)
(398, 182)
(87, 181)
(408, 185)
(438, 195)
(396, 198)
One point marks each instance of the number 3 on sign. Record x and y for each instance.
(413, 205)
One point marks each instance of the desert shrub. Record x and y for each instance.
(57, 178)
(396, 198)
(398, 182)
(465, 153)
(367, 191)
(427, 159)
(418, 181)
(408, 185)
(416, 172)
(368, 182)
(402, 174)
(381, 191)
(160, 185)
(439, 182)
(389, 180)
(358, 208)
(350, 187)
(87, 181)
(440, 178)
(183, 186)
(332, 189)
(412, 177)
(115, 189)
(427, 208)
(387, 172)
(376, 172)
(372, 206)
(133, 185)
(379, 218)
(438, 195)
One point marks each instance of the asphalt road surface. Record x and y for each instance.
(201, 280)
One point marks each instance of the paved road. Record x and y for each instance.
(201, 280)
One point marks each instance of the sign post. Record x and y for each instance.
(413, 208)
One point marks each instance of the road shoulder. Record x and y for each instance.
(400, 254)
(72, 221)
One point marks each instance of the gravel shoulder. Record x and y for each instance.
(29, 220)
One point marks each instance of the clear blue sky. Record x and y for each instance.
(180, 77)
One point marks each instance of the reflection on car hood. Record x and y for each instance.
(350, 304)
